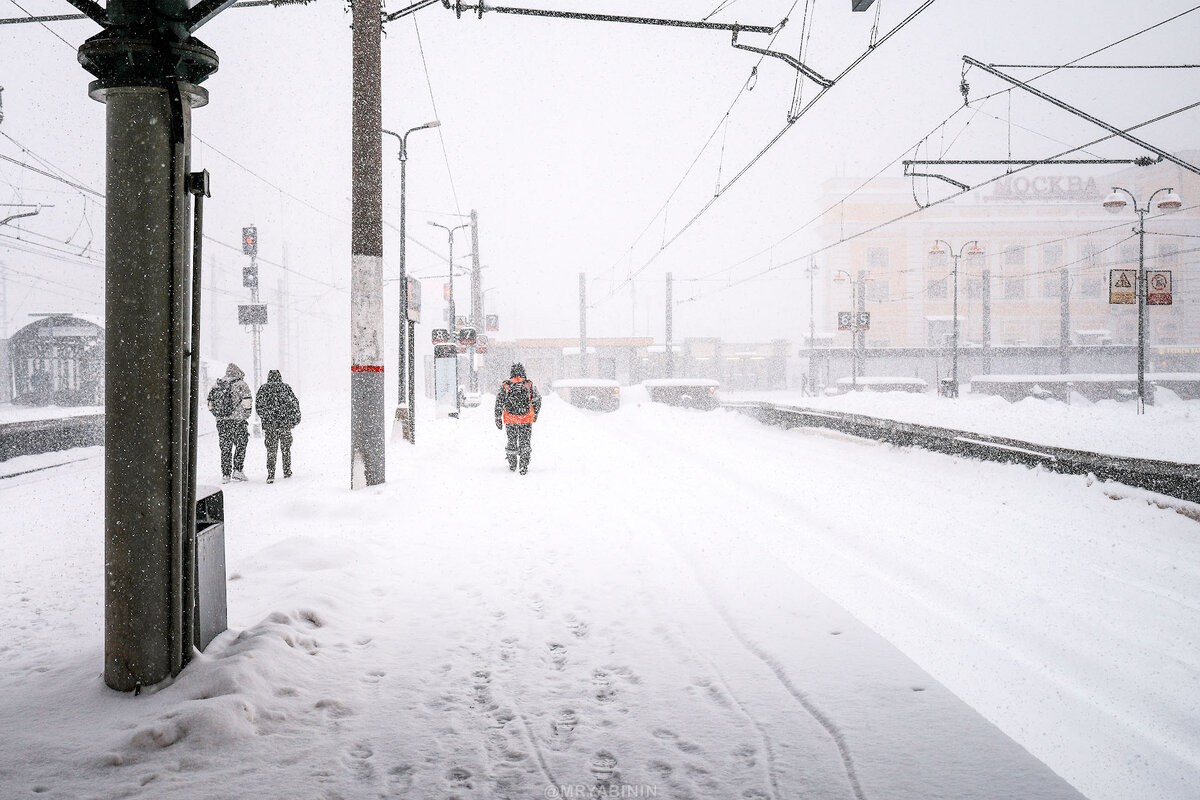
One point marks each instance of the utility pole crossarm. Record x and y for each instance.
(1083, 114)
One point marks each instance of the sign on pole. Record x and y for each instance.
(862, 320)
(1121, 283)
(491, 322)
(1159, 283)
(253, 314)
(414, 300)
(845, 320)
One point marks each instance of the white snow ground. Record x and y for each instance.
(671, 604)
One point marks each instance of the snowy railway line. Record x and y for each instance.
(1170, 478)
(678, 600)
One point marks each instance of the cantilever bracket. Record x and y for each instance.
(909, 174)
(9, 219)
(793, 62)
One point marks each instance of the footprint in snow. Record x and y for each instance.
(458, 778)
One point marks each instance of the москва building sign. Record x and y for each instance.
(1046, 187)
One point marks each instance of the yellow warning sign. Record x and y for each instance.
(1121, 284)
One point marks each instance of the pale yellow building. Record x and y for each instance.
(1035, 229)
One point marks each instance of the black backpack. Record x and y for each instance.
(221, 400)
(518, 397)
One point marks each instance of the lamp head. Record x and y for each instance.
(1170, 202)
(434, 124)
(974, 251)
(936, 250)
(1115, 202)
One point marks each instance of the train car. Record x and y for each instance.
(58, 359)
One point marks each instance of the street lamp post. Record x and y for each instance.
(1115, 203)
(811, 272)
(450, 323)
(405, 405)
(952, 389)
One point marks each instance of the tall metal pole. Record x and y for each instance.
(860, 306)
(256, 329)
(954, 332)
(402, 349)
(1141, 301)
(366, 254)
(583, 365)
(147, 75)
(1064, 321)
(812, 324)
(476, 299)
(986, 334)
(405, 425)
(670, 328)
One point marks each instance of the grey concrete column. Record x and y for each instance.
(146, 282)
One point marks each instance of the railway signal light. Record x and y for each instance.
(250, 241)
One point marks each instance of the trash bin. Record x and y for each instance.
(211, 614)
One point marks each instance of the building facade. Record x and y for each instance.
(1038, 275)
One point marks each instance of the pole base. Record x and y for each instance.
(402, 429)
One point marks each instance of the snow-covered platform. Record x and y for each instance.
(671, 604)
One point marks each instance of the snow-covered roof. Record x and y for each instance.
(680, 382)
(877, 380)
(577, 383)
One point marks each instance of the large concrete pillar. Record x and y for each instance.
(147, 78)
(367, 434)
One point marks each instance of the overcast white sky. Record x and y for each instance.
(568, 137)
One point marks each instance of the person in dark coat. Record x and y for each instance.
(517, 406)
(232, 432)
(279, 411)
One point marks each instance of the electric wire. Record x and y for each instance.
(627, 253)
(874, 228)
(433, 102)
(53, 32)
(770, 144)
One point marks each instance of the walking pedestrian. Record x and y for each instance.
(230, 402)
(517, 407)
(279, 411)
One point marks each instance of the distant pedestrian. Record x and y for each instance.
(279, 411)
(517, 406)
(230, 402)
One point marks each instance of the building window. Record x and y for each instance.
(1014, 255)
(938, 290)
(1050, 285)
(1090, 255)
(878, 290)
(878, 258)
(1091, 287)
(1052, 255)
(1168, 255)
(1014, 288)
(974, 288)
(1129, 253)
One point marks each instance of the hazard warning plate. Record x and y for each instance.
(1121, 283)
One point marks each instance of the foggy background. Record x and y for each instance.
(584, 147)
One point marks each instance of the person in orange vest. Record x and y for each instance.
(517, 406)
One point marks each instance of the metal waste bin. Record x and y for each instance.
(211, 613)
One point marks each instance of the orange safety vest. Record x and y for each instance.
(526, 418)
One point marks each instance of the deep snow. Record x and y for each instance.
(671, 600)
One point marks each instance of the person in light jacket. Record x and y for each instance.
(232, 432)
